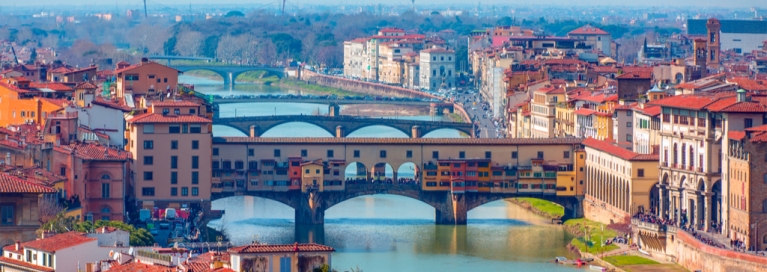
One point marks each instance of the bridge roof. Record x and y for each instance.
(170, 118)
(399, 141)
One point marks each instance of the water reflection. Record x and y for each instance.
(394, 233)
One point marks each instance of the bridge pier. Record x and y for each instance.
(573, 207)
(452, 210)
(334, 110)
(254, 132)
(415, 132)
(310, 209)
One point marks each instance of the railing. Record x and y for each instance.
(154, 257)
(649, 226)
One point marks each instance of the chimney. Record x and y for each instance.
(104, 229)
(18, 245)
(144, 60)
(741, 95)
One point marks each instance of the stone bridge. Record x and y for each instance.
(435, 107)
(339, 126)
(230, 72)
(449, 208)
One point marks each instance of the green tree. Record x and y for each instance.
(169, 46)
(209, 46)
(234, 13)
(505, 21)
(32, 56)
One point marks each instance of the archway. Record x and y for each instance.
(383, 172)
(446, 133)
(227, 131)
(205, 73)
(377, 131)
(408, 173)
(716, 204)
(356, 173)
(654, 199)
(376, 207)
(296, 129)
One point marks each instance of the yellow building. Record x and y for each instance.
(603, 125)
(312, 176)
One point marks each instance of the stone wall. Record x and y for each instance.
(694, 255)
(594, 210)
(368, 88)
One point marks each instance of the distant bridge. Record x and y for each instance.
(449, 208)
(230, 72)
(339, 126)
(436, 107)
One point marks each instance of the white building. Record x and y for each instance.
(63, 252)
(111, 237)
(437, 68)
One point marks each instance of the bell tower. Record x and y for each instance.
(700, 56)
(713, 27)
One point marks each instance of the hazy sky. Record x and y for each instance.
(708, 3)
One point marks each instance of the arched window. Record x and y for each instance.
(684, 146)
(105, 209)
(676, 154)
(764, 205)
(106, 176)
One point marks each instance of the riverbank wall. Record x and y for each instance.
(531, 208)
(368, 88)
(602, 212)
(695, 255)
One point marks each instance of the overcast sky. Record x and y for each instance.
(708, 3)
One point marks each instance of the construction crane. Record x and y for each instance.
(15, 59)
(145, 15)
(283, 7)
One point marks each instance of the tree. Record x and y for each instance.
(505, 21)
(189, 43)
(266, 52)
(234, 13)
(32, 56)
(48, 208)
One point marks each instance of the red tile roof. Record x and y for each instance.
(731, 104)
(175, 103)
(635, 75)
(86, 85)
(82, 69)
(736, 135)
(13, 184)
(749, 84)
(563, 62)
(149, 118)
(59, 242)
(61, 69)
(111, 104)
(759, 137)
(13, 263)
(614, 150)
(588, 30)
(692, 102)
(649, 110)
(141, 267)
(584, 112)
(311, 247)
(400, 141)
(59, 87)
(88, 151)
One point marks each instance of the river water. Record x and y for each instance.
(385, 232)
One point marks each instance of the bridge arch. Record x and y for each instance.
(400, 129)
(222, 75)
(429, 133)
(261, 131)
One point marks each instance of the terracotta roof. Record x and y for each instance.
(141, 267)
(757, 128)
(649, 110)
(59, 87)
(311, 247)
(13, 184)
(399, 141)
(175, 103)
(604, 69)
(82, 69)
(635, 75)
(110, 104)
(749, 84)
(149, 118)
(41, 176)
(57, 102)
(88, 151)
(117, 71)
(59, 242)
(731, 104)
(61, 69)
(588, 30)
(563, 62)
(614, 150)
(736, 135)
(693, 102)
(86, 85)
(11, 263)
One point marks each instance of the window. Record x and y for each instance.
(215, 151)
(148, 144)
(174, 177)
(184, 191)
(148, 160)
(105, 190)
(147, 191)
(306, 171)
(174, 144)
(239, 165)
(356, 153)
(173, 162)
(461, 154)
(765, 178)
(184, 127)
(195, 129)
(629, 138)
(276, 152)
(316, 171)
(488, 154)
(216, 165)
(409, 154)
(195, 144)
(435, 154)
(540, 154)
(195, 177)
(227, 165)
(748, 123)
(640, 173)
(251, 152)
(330, 153)
(303, 153)
(513, 154)
(253, 165)
(383, 153)
(195, 191)
(196, 162)
(165, 111)
(174, 129)
(148, 175)
(628, 113)
(148, 129)
(285, 265)
(173, 191)
(7, 215)
(566, 155)
(628, 124)
(106, 177)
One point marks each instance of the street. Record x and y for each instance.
(479, 112)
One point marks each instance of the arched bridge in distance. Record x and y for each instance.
(339, 126)
(227, 72)
(449, 208)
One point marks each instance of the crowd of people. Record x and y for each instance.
(654, 219)
(382, 180)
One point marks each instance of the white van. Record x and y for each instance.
(170, 214)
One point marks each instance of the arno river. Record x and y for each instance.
(385, 232)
